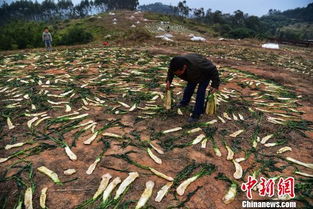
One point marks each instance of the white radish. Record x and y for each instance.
(42, 119)
(226, 116)
(203, 143)
(145, 195)
(217, 151)
(69, 172)
(270, 144)
(110, 188)
(238, 172)
(2, 160)
(10, 146)
(221, 119)
(284, 149)
(155, 97)
(130, 178)
(92, 167)
(103, 184)
(231, 194)
(111, 135)
(70, 154)
(10, 124)
(304, 174)
(89, 126)
(79, 116)
(238, 160)
(68, 108)
(235, 117)
(91, 139)
(183, 186)
(211, 122)
(194, 130)
(198, 139)
(163, 191)
(308, 165)
(154, 157)
(161, 174)
(157, 148)
(266, 138)
(179, 112)
(50, 174)
(236, 133)
(230, 153)
(43, 197)
(85, 102)
(35, 114)
(28, 198)
(123, 104)
(30, 122)
(172, 130)
(133, 108)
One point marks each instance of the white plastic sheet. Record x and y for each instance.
(166, 37)
(198, 38)
(270, 46)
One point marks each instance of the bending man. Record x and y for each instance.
(196, 70)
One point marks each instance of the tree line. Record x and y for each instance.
(62, 9)
(293, 24)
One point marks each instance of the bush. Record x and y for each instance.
(138, 35)
(74, 35)
(20, 35)
(241, 33)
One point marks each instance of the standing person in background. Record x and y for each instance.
(47, 39)
(197, 71)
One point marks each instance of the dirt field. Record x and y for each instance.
(70, 97)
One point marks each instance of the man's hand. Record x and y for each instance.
(168, 85)
(213, 90)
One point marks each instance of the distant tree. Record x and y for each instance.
(217, 17)
(183, 9)
(101, 5)
(273, 12)
(238, 18)
(65, 8)
(49, 9)
(199, 13)
(122, 4)
(159, 8)
(253, 23)
(84, 8)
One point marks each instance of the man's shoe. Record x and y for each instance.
(180, 105)
(193, 119)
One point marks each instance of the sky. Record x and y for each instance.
(252, 7)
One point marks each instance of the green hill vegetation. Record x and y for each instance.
(22, 22)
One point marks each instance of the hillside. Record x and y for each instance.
(123, 26)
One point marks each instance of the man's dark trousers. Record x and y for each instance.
(190, 88)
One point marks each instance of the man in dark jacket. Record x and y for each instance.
(195, 69)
